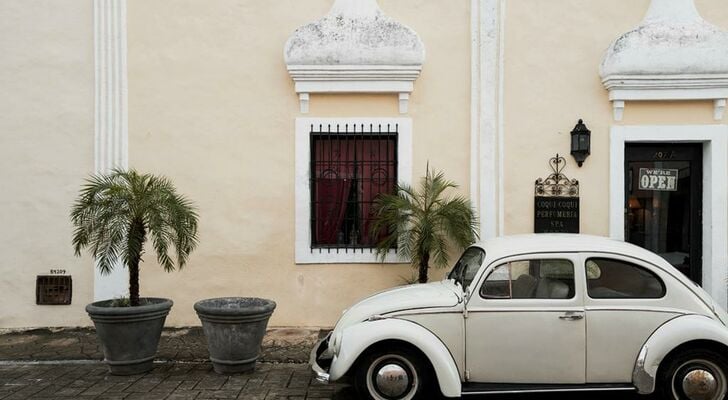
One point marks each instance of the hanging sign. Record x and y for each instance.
(658, 179)
(557, 215)
(556, 201)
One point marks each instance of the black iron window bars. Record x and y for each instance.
(351, 164)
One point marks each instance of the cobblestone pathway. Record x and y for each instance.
(166, 381)
(197, 381)
(190, 376)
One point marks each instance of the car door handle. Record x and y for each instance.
(572, 316)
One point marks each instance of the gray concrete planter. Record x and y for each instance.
(129, 335)
(234, 328)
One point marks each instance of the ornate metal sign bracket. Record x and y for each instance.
(557, 184)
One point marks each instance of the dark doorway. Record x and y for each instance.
(663, 202)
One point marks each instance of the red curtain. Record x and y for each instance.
(335, 161)
(377, 168)
(333, 181)
(331, 196)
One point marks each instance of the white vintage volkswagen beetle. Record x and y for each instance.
(536, 313)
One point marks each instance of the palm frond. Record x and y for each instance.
(116, 212)
(423, 224)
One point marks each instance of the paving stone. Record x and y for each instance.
(146, 396)
(187, 385)
(211, 383)
(218, 394)
(183, 395)
(114, 396)
(167, 386)
(144, 385)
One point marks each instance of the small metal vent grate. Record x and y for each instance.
(53, 289)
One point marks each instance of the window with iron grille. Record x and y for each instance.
(350, 166)
(53, 290)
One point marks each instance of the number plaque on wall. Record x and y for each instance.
(556, 201)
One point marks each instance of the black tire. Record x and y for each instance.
(418, 385)
(671, 377)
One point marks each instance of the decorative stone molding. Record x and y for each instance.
(674, 54)
(111, 140)
(355, 48)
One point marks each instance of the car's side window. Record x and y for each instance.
(530, 279)
(615, 279)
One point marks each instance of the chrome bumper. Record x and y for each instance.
(321, 347)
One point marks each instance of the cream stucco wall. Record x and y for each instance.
(553, 51)
(46, 148)
(211, 105)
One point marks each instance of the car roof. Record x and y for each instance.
(505, 246)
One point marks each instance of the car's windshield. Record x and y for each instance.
(465, 269)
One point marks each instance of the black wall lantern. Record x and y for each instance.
(580, 142)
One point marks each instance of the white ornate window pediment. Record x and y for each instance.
(355, 48)
(674, 54)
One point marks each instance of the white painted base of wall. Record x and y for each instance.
(715, 191)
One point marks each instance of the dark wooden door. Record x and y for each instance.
(663, 202)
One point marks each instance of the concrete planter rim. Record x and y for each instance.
(104, 308)
(235, 306)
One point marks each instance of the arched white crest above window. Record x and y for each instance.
(674, 54)
(355, 48)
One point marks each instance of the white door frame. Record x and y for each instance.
(715, 193)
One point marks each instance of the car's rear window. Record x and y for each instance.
(616, 279)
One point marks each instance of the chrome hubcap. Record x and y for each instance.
(392, 380)
(700, 384)
(392, 377)
(699, 379)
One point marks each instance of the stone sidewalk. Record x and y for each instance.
(176, 344)
(66, 364)
(173, 381)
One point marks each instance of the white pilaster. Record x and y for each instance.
(486, 109)
(111, 143)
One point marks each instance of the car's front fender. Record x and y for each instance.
(357, 338)
(666, 338)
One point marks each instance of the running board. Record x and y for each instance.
(512, 388)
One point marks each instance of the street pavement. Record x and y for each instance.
(66, 364)
(177, 381)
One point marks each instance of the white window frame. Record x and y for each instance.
(715, 195)
(304, 253)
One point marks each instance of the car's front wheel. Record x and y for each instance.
(396, 374)
(695, 375)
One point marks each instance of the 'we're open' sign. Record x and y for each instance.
(658, 179)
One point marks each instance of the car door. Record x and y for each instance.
(525, 322)
(625, 302)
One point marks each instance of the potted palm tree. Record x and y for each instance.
(113, 217)
(423, 224)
